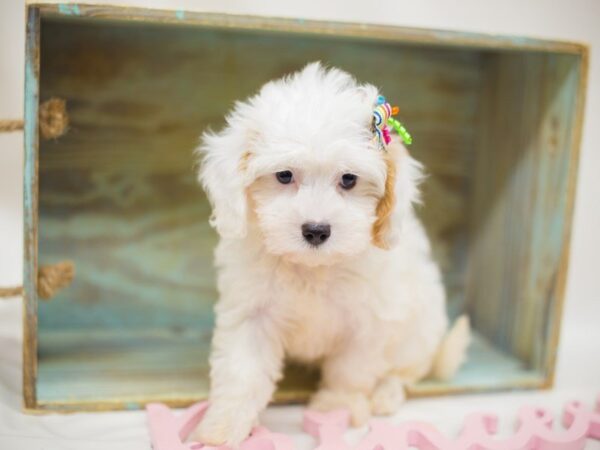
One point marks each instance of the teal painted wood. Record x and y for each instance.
(132, 366)
(30, 207)
(129, 365)
(551, 219)
(69, 9)
(520, 200)
(474, 41)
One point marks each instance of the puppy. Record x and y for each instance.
(321, 258)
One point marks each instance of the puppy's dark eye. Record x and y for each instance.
(285, 176)
(348, 181)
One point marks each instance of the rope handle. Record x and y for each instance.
(7, 126)
(53, 123)
(51, 279)
(53, 120)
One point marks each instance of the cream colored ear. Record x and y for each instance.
(404, 174)
(224, 179)
(382, 227)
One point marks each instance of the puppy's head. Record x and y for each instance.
(298, 162)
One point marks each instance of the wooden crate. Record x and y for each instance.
(496, 120)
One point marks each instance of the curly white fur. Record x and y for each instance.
(372, 319)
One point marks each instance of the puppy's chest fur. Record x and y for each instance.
(317, 311)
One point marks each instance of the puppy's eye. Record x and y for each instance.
(348, 181)
(285, 176)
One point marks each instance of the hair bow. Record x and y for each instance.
(383, 120)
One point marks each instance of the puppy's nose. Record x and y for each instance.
(316, 233)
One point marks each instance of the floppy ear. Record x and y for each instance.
(224, 177)
(404, 174)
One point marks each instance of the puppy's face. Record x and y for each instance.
(316, 204)
(299, 163)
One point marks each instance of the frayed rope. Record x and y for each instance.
(51, 279)
(53, 120)
(53, 123)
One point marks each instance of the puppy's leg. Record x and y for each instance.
(348, 378)
(388, 395)
(356, 402)
(246, 362)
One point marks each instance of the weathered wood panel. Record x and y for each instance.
(520, 199)
(30, 208)
(415, 36)
(126, 369)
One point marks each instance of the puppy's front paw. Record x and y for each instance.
(387, 396)
(222, 425)
(355, 402)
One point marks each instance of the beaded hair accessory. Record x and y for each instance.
(383, 120)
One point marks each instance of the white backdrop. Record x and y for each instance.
(577, 20)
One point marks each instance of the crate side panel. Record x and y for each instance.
(30, 208)
(519, 199)
(416, 36)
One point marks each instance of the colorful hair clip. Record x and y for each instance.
(382, 120)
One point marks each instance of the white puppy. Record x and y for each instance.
(321, 258)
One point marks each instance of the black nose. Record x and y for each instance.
(316, 233)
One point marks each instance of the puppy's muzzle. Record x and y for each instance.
(316, 233)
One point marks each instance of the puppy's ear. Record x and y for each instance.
(404, 174)
(224, 176)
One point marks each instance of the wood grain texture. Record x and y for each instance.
(85, 370)
(520, 200)
(30, 208)
(418, 36)
(553, 332)
(495, 120)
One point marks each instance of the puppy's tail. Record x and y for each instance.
(452, 352)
